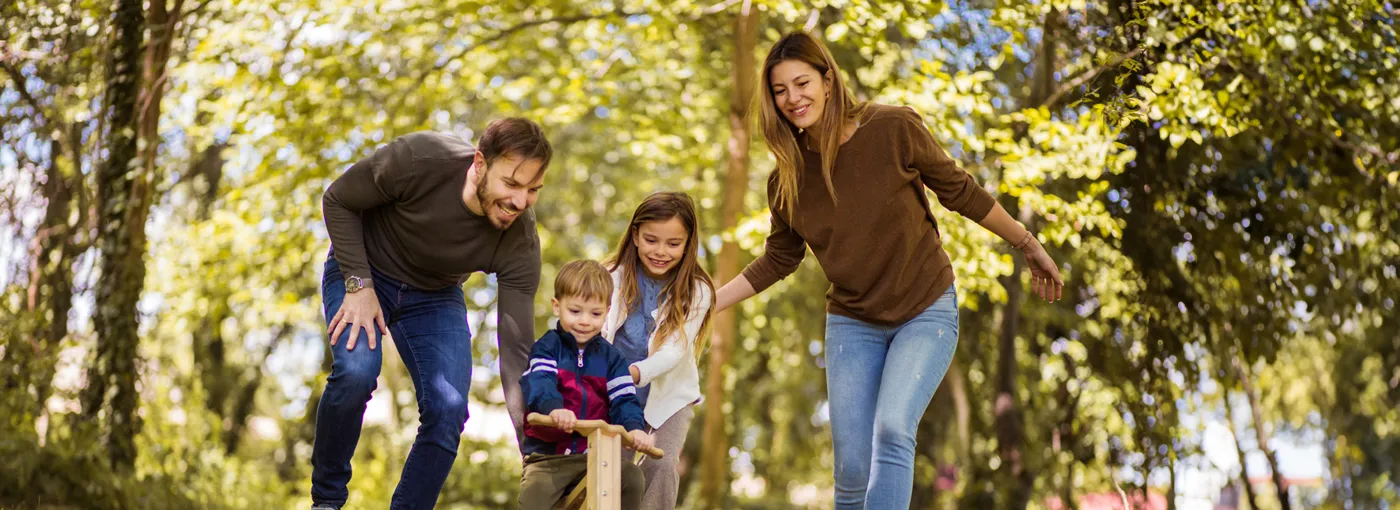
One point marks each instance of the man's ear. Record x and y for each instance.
(479, 164)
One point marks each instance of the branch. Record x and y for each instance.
(503, 34)
(1087, 77)
(1388, 157)
(199, 7)
(1329, 134)
(21, 85)
(512, 30)
(719, 7)
(1090, 75)
(277, 339)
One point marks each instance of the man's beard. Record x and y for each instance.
(488, 201)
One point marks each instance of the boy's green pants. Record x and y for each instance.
(546, 477)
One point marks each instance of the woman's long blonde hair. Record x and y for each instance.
(781, 135)
(678, 292)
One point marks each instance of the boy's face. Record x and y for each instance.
(582, 318)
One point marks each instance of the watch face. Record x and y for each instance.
(353, 284)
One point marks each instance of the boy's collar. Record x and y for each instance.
(566, 335)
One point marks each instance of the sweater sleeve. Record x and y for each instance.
(517, 269)
(782, 252)
(369, 183)
(953, 186)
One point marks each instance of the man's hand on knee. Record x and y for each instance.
(359, 310)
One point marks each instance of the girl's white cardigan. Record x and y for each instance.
(670, 369)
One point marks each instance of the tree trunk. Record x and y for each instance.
(1337, 464)
(236, 422)
(962, 411)
(1010, 429)
(1147, 468)
(207, 346)
(121, 227)
(715, 456)
(1067, 489)
(207, 342)
(305, 430)
(1064, 436)
(1262, 434)
(209, 169)
(1009, 424)
(163, 22)
(1239, 450)
(50, 294)
(1171, 486)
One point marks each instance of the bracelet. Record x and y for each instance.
(1021, 245)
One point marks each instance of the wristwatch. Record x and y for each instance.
(353, 284)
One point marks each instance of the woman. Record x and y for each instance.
(850, 183)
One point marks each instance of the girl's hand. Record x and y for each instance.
(641, 440)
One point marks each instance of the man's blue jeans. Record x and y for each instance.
(880, 380)
(430, 330)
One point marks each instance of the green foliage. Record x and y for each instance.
(1219, 184)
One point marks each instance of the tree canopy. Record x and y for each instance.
(1221, 183)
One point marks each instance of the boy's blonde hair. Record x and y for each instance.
(584, 279)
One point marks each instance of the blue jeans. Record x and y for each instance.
(879, 381)
(430, 331)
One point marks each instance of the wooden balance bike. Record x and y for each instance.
(601, 487)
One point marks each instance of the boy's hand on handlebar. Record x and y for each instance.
(564, 419)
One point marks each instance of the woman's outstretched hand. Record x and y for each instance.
(1045, 275)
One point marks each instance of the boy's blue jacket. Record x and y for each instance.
(594, 384)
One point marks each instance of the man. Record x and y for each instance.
(408, 226)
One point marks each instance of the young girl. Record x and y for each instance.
(660, 315)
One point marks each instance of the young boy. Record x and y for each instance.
(574, 374)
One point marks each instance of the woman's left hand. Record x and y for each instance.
(1045, 275)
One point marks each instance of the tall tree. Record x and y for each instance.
(1261, 433)
(45, 130)
(1245, 486)
(121, 226)
(715, 461)
(1010, 422)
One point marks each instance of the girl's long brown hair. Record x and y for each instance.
(678, 291)
(781, 135)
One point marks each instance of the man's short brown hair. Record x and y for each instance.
(518, 137)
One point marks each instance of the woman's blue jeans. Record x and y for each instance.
(880, 380)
